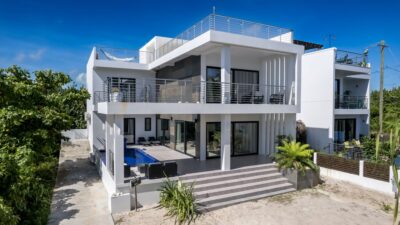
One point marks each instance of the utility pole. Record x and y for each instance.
(382, 46)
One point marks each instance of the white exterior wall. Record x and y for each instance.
(317, 97)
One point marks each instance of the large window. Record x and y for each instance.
(147, 124)
(125, 86)
(345, 130)
(244, 138)
(213, 88)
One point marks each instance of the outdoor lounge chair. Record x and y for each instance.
(142, 141)
(276, 99)
(154, 170)
(170, 169)
(154, 141)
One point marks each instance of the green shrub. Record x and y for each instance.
(178, 199)
(294, 155)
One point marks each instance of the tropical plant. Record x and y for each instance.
(294, 155)
(178, 199)
(391, 110)
(281, 138)
(34, 109)
(394, 143)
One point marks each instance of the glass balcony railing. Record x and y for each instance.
(351, 102)
(352, 58)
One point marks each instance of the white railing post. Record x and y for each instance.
(361, 169)
(315, 158)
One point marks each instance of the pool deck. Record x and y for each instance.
(188, 164)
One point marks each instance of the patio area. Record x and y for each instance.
(188, 164)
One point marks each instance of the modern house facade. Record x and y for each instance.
(223, 88)
(335, 97)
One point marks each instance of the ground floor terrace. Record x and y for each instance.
(200, 142)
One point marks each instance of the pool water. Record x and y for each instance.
(136, 156)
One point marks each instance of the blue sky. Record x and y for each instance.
(59, 35)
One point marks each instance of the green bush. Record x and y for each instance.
(33, 112)
(179, 201)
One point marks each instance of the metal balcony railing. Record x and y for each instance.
(352, 58)
(224, 24)
(187, 91)
(351, 102)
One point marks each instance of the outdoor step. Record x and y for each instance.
(223, 204)
(219, 172)
(238, 188)
(230, 176)
(244, 180)
(244, 194)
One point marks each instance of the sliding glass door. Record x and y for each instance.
(185, 133)
(345, 130)
(213, 132)
(244, 138)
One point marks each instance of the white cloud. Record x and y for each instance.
(37, 55)
(81, 79)
(20, 57)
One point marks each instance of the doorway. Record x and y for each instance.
(345, 130)
(129, 130)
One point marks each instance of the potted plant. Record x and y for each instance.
(295, 162)
(116, 95)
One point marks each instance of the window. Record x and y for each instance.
(147, 124)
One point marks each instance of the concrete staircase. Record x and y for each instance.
(218, 189)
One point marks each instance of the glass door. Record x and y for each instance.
(345, 130)
(244, 138)
(213, 132)
(129, 130)
(180, 136)
(213, 85)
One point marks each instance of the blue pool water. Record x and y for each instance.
(136, 156)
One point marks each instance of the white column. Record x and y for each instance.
(226, 142)
(203, 137)
(118, 149)
(225, 73)
(109, 138)
(263, 135)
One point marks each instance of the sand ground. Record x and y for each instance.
(331, 203)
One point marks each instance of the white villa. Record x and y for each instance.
(335, 97)
(219, 94)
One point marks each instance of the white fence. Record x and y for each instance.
(387, 187)
(75, 134)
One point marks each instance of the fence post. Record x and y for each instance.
(315, 158)
(361, 169)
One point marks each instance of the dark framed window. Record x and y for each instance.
(244, 139)
(147, 124)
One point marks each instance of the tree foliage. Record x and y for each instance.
(294, 155)
(391, 110)
(34, 109)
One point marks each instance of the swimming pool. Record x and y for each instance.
(136, 156)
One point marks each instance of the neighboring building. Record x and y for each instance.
(225, 87)
(334, 97)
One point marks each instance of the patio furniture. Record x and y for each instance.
(142, 168)
(154, 170)
(258, 98)
(170, 168)
(142, 141)
(276, 99)
(154, 141)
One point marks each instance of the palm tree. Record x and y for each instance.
(295, 155)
